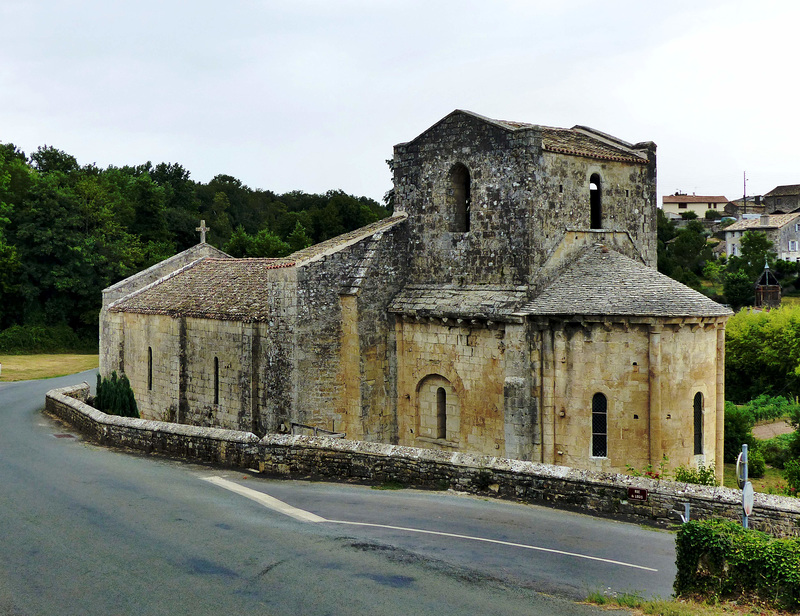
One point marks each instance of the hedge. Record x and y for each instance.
(720, 559)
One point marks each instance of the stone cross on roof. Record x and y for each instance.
(202, 229)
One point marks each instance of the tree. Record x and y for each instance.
(48, 159)
(298, 239)
(738, 289)
(757, 250)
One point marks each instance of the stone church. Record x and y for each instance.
(509, 307)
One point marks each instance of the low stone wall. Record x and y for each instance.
(358, 461)
(210, 445)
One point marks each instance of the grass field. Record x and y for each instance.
(29, 367)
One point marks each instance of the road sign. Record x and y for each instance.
(747, 498)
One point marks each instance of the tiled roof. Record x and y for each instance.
(341, 241)
(473, 302)
(776, 221)
(226, 289)
(782, 191)
(579, 143)
(604, 282)
(694, 199)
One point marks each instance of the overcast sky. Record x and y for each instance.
(312, 94)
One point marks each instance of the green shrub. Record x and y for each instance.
(738, 431)
(791, 473)
(764, 407)
(702, 475)
(756, 466)
(115, 396)
(719, 559)
(777, 450)
(19, 339)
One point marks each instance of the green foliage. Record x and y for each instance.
(19, 339)
(756, 465)
(648, 471)
(713, 215)
(791, 473)
(765, 407)
(67, 231)
(719, 559)
(762, 354)
(690, 215)
(777, 451)
(702, 475)
(738, 431)
(757, 250)
(738, 289)
(115, 397)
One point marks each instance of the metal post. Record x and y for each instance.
(744, 479)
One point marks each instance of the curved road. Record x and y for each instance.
(86, 530)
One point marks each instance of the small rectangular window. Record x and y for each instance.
(792, 245)
(682, 206)
(599, 426)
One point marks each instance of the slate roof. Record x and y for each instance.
(784, 191)
(226, 289)
(471, 302)
(604, 282)
(579, 143)
(334, 244)
(776, 221)
(576, 141)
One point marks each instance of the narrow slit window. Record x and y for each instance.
(461, 194)
(698, 423)
(441, 413)
(149, 368)
(599, 426)
(216, 380)
(595, 202)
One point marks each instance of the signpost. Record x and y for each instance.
(745, 485)
(637, 494)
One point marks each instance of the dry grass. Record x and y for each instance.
(28, 367)
(678, 607)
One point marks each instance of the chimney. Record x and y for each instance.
(764, 222)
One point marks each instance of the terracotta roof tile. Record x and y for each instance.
(226, 289)
(694, 199)
(776, 221)
(472, 302)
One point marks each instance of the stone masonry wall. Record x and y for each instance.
(329, 459)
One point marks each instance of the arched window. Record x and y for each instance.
(149, 368)
(459, 197)
(441, 413)
(698, 423)
(595, 202)
(216, 380)
(599, 426)
(438, 410)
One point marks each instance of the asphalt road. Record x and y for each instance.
(86, 530)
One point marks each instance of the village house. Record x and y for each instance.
(782, 199)
(509, 307)
(783, 230)
(677, 204)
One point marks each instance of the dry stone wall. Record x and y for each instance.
(606, 494)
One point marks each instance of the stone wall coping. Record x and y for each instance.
(216, 434)
(663, 487)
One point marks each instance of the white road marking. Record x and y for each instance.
(306, 516)
(266, 500)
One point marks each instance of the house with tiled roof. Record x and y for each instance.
(678, 204)
(510, 307)
(782, 199)
(783, 230)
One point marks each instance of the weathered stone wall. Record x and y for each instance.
(170, 363)
(358, 461)
(343, 346)
(616, 358)
(628, 201)
(522, 200)
(210, 445)
(470, 358)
